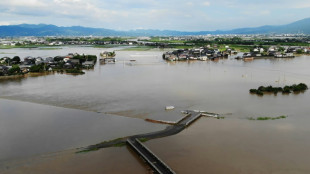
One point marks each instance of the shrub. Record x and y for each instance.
(37, 68)
(258, 92)
(302, 87)
(14, 70)
(253, 91)
(75, 71)
(261, 88)
(299, 51)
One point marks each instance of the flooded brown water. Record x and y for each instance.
(110, 160)
(29, 129)
(142, 88)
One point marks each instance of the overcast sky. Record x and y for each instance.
(184, 15)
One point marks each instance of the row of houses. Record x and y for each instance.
(289, 49)
(277, 51)
(202, 53)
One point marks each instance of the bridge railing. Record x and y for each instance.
(136, 144)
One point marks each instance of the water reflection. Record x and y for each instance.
(14, 81)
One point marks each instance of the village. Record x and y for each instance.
(208, 47)
(75, 63)
(71, 63)
(163, 41)
(212, 53)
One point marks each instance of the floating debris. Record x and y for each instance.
(203, 113)
(169, 107)
(208, 114)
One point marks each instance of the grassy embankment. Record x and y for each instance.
(268, 118)
(49, 48)
(118, 142)
(22, 46)
(106, 46)
(139, 48)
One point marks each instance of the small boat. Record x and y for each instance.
(169, 107)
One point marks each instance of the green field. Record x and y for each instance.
(50, 48)
(139, 48)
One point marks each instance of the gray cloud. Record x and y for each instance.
(155, 14)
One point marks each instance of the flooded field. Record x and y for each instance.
(113, 99)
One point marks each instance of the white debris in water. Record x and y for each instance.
(184, 112)
(169, 107)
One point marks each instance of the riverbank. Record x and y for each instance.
(12, 77)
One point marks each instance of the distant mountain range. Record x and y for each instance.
(301, 26)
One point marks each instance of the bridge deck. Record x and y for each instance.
(157, 165)
(192, 117)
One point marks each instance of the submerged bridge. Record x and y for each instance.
(148, 156)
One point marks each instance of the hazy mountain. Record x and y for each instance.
(302, 26)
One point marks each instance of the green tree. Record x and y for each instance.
(16, 59)
(281, 49)
(37, 68)
(299, 51)
(8, 61)
(14, 70)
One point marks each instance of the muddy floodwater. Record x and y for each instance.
(44, 118)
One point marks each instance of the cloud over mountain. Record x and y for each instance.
(302, 26)
(185, 15)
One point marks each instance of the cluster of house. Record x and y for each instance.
(203, 53)
(69, 61)
(294, 49)
(277, 52)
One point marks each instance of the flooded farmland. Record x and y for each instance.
(46, 117)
